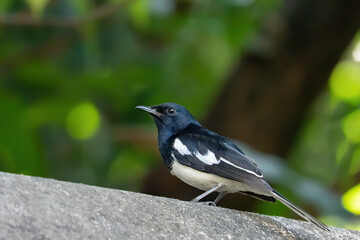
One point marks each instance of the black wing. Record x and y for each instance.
(209, 152)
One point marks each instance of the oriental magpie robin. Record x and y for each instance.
(210, 162)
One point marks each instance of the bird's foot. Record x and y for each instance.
(209, 203)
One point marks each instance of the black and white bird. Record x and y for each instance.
(210, 162)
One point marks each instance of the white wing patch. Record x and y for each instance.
(181, 148)
(246, 170)
(209, 158)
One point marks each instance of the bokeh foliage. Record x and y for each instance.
(328, 147)
(72, 72)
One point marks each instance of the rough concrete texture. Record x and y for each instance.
(38, 208)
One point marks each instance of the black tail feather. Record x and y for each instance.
(299, 211)
(259, 196)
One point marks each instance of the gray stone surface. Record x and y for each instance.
(38, 208)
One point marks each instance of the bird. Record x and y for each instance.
(210, 162)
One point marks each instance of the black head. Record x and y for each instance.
(170, 118)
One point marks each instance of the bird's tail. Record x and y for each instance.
(299, 211)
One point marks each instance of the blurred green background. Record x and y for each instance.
(72, 71)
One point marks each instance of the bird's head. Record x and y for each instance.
(170, 118)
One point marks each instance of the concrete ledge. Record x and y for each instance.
(38, 208)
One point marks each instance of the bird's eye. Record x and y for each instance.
(170, 111)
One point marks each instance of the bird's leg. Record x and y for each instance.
(201, 196)
(219, 197)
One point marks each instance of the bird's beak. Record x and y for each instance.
(150, 110)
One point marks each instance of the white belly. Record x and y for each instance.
(206, 181)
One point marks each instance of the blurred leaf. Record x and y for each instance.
(83, 121)
(345, 82)
(356, 52)
(351, 200)
(356, 47)
(351, 126)
(139, 11)
(37, 6)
